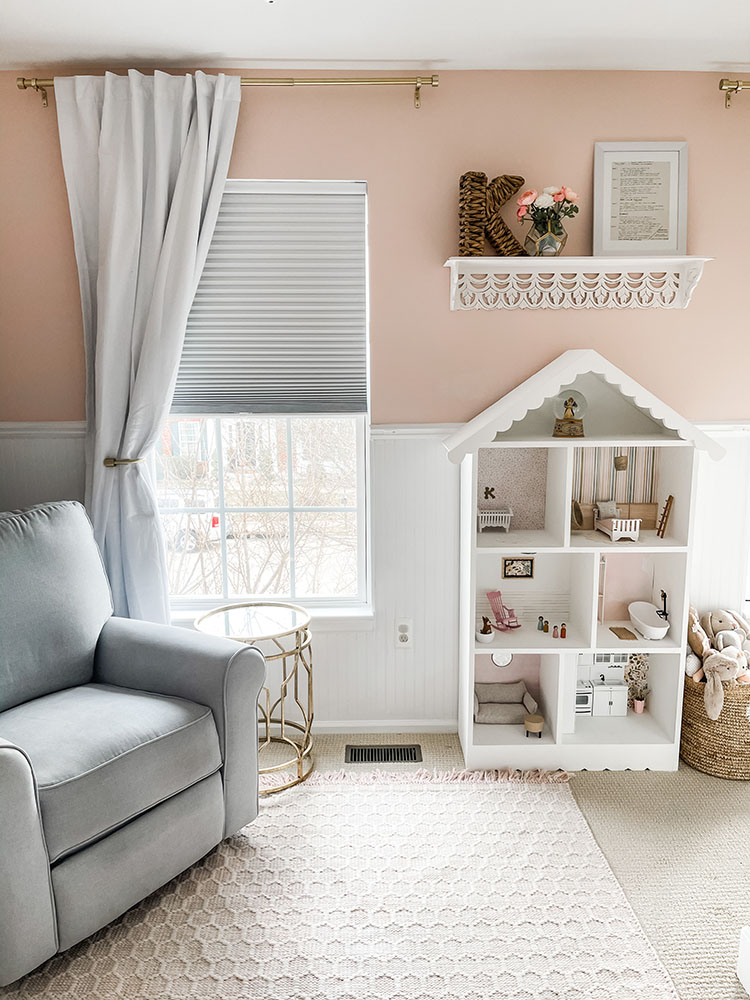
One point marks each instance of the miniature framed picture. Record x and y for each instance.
(640, 199)
(518, 569)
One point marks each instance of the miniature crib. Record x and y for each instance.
(494, 519)
(618, 527)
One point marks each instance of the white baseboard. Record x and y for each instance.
(387, 726)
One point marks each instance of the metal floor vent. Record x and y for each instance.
(406, 754)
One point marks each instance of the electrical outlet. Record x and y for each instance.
(404, 633)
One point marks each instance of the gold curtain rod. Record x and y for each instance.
(42, 86)
(732, 87)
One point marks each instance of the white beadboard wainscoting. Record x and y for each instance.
(363, 682)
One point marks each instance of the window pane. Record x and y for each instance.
(325, 547)
(258, 554)
(325, 462)
(186, 465)
(255, 461)
(193, 554)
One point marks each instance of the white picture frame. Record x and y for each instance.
(640, 199)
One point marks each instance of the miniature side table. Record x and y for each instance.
(534, 724)
(282, 633)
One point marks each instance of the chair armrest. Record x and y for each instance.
(28, 927)
(223, 674)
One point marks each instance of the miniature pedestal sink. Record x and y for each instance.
(645, 618)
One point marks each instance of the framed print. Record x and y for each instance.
(640, 199)
(518, 568)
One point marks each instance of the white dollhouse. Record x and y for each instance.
(554, 568)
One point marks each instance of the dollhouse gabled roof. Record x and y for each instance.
(618, 408)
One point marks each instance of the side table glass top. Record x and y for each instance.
(255, 621)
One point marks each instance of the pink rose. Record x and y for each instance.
(527, 198)
(521, 212)
(559, 196)
(570, 195)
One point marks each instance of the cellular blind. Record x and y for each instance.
(279, 320)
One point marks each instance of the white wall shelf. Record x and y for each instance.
(573, 282)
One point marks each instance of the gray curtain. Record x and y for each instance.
(145, 161)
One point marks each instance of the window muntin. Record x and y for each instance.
(264, 507)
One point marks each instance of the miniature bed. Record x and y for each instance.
(618, 527)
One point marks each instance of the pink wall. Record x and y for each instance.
(629, 578)
(428, 364)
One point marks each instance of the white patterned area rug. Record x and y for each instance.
(411, 886)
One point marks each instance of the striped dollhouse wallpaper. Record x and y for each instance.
(595, 477)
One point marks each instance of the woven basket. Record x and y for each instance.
(721, 748)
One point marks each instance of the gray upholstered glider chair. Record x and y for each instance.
(127, 750)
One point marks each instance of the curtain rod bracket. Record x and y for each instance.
(731, 87)
(40, 86)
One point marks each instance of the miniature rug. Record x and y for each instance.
(412, 886)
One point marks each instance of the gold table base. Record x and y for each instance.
(272, 716)
(292, 649)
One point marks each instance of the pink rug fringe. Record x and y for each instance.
(426, 777)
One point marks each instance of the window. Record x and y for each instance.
(264, 506)
(261, 470)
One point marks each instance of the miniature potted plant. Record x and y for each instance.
(639, 698)
(546, 211)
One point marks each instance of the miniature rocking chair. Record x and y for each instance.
(505, 617)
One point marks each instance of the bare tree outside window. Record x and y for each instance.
(262, 506)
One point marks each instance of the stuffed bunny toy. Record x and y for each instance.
(719, 667)
(724, 629)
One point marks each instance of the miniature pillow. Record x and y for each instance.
(607, 508)
(529, 704)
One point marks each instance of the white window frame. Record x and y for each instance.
(321, 607)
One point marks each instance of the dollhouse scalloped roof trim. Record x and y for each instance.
(547, 383)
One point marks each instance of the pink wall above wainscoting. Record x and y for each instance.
(428, 364)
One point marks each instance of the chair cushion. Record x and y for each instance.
(54, 600)
(103, 754)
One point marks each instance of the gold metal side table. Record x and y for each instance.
(282, 633)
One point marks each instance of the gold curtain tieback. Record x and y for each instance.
(110, 463)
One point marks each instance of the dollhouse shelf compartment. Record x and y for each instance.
(573, 282)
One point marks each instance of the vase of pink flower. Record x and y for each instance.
(545, 212)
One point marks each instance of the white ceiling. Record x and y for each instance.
(379, 34)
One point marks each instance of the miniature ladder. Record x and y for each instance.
(505, 618)
(664, 519)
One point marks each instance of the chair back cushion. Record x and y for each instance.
(54, 600)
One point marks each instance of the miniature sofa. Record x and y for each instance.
(503, 704)
(128, 750)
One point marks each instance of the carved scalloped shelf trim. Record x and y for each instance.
(573, 282)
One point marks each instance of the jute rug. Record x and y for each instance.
(416, 886)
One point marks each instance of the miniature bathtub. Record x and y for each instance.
(645, 620)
